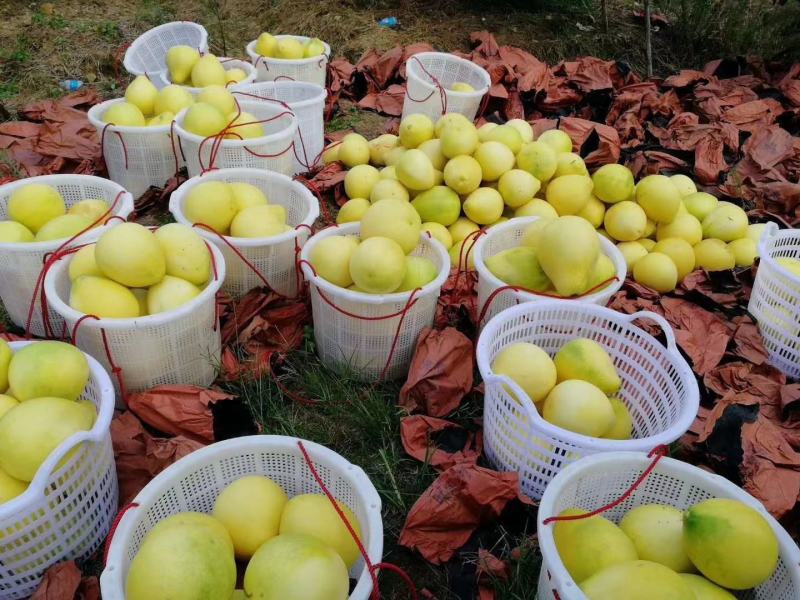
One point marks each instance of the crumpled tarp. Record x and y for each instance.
(438, 442)
(64, 581)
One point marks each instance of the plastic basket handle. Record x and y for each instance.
(528, 408)
(661, 322)
(770, 231)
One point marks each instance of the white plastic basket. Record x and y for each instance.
(194, 482)
(272, 152)
(21, 264)
(595, 481)
(148, 53)
(365, 346)
(67, 510)
(274, 257)
(658, 387)
(307, 102)
(227, 63)
(423, 95)
(312, 70)
(507, 235)
(180, 346)
(775, 299)
(136, 157)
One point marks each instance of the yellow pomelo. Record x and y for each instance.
(420, 272)
(243, 126)
(102, 297)
(250, 509)
(359, 181)
(700, 204)
(568, 250)
(173, 99)
(265, 220)
(393, 219)
(141, 298)
(587, 546)
(523, 128)
(613, 183)
(439, 232)
(142, 94)
(579, 406)
(31, 431)
(463, 174)
(530, 367)
(354, 150)
(388, 189)
(622, 429)
(713, 255)
(556, 139)
(462, 228)
(650, 229)
(7, 402)
(204, 120)
(379, 146)
(246, 195)
(462, 254)
(703, 589)
(47, 369)
(494, 159)
(170, 293)
(659, 198)
(729, 542)
(538, 159)
(681, 253)
(10, 488)
(234, 75)
(219, 97)
(62, 227)
(684, 184)
(569, 194)
(195, 520)
(647, 243)
(34, 204)
(185, 252)
(657, 271)
(439, 204)
(331, 153)
(483, 131)
(392, 157)
(296, 566)
(631, 252)
(625, 221)
(684, 226)
(378, 265)
(602, 273)
(506, 135)
(587, 360)
(533, 232)
(208, 71)
(636, 580)
(12, 232)
(352, 210)
(754, 232)
(438, 179)
(314, 515)
(594, 211)
(415, 171)
(182, 562)
(657, 532)
(458, 137)
(415, 129)
(290, 48)
(461, 86)
(210, 203)
(180, 59)
(124, 114)
(498, 222)
(164, 118)
(433, 149)
(130, 254)
(536, 208)
(483, 206)
(518, 267)
(450, 119)
(569, 163)
(727, 222)
(91, 208)
(744, 251)
(517, 187)
(330, 258)
(266, 44)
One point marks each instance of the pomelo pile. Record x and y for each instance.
(573, 390)
(380, 261)
(38, 213)
(39, 408)
(235, 209)
(661, 553)
(460, 178)
(289, 548)
(187, 67)
(147, 106)
(288, 48)
(133, 272)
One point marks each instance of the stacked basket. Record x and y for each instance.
(147, 54)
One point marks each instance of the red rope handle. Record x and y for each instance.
(463, 258)
(436, 82)
(656, 453)
(371, 568)
(114, 524)
(121, 140)
(116, 370)
(172, 143)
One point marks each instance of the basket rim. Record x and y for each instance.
(231, 63)
(321, 93)
(789, 551)
(68, 313)
(364, 297)
(667, 436)
(250, 48)
(410, 71)
(766, 243)
(124, 210)
(112, 573)
(608, 248)
(176, 201)
(96, 434)
(147, 34)
(287, 132)
(95, 112)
